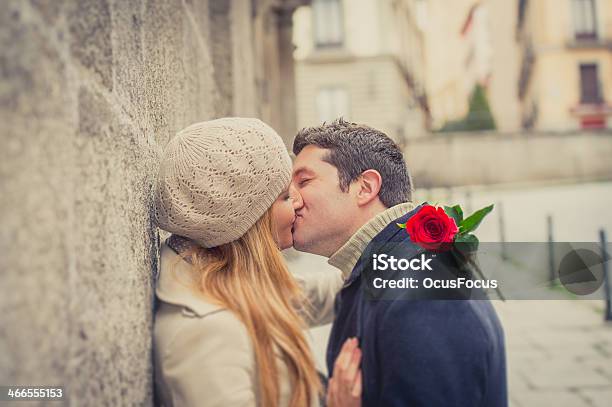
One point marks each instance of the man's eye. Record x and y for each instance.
(303, 182)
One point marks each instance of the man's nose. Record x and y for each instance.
(298, 202)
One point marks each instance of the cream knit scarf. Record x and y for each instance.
(347, 256)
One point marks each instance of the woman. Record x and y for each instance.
(229, 326)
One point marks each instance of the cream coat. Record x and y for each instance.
(203, 353)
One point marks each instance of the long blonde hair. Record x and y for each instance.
(249, 277)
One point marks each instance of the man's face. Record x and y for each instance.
(324, 221)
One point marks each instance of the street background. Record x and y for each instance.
(494, 102)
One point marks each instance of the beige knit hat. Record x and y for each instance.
(217, 178)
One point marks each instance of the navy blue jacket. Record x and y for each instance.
(420, 351)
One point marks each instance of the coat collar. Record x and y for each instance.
(347, 256)
(383, 241)
(176, 285)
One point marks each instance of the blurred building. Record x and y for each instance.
(505, 65)
(469, 43)
(362, 60)
(476, 47)
(565, 78)
(442, 25)
(271, 31)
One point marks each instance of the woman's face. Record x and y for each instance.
(283, 216)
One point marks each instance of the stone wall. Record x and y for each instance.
(454, 159)
(90, 91)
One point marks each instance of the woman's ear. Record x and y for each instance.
(370, 183)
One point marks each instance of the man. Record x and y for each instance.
(355, 188)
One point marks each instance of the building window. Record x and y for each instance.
(332, 103)
(589, 84)
(585, 19)
(328, 26)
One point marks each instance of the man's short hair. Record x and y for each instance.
(355, 148)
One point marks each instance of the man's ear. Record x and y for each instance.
(369, 183)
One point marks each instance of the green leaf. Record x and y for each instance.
(452, 212)
(471, 222)
(466, 243)
(401, 225)
(460, 212)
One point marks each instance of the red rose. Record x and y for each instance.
(432, 229)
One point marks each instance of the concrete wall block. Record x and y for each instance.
(32, 73)
(113, 278)
(203, 100)
(165, 79)
(130, 70)
(36, 256)
(89, 22)
(489, 158)
(90, 92)
(49, 10)
(221, 43)
(35, 261)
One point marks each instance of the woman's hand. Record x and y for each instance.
(344, 389)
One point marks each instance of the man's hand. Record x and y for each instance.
(344, 388)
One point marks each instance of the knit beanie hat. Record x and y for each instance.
(217, 178)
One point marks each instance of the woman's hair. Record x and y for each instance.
(248, 276)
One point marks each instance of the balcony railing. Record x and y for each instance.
(584, 41)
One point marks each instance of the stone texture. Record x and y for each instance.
(129, 65)
(598, 397)
(90, 28)
(90, 92)
(34, 238)
(220, 29)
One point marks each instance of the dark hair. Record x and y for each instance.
(355, 148)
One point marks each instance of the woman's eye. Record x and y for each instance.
(303, 182)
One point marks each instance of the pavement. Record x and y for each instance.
(559, 353)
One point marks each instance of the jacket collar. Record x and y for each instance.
(389, 236)
(347, 256)
(176, 285)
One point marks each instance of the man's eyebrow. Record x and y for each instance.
(302, 170)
